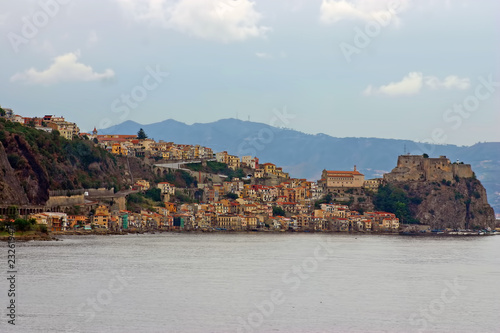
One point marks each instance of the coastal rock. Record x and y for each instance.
(442, 194)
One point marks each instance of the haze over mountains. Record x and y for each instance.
(306, 155)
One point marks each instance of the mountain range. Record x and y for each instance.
(306, 155)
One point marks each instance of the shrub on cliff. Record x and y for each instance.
(394, 200)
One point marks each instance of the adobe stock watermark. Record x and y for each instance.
(103, 298)
(252, 144)
(436, 307)
(363, 37)
(455, 115)
(39, 20)
(127, 102)
(292, 279)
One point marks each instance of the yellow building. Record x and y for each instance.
(101, 217)
(372, 184)
(336, 179)
(269, 168)
(118, 149)
(233, 162)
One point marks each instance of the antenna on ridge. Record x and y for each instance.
(405, 150)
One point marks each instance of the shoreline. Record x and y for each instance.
(52, 236)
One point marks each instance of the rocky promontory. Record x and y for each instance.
(442, 194)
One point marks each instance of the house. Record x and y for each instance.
(101, 217)
(231, 222)
(53, 221)
(233, 162)
(166, 188)
(269, 168)
(221, 157)
(372, 184)
(75, 221)
(141, 185)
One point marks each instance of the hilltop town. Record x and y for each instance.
(189, 187)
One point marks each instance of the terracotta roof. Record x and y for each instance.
(330, 173)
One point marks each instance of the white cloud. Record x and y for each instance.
(217, 20)
(412, 84)
(409, 85)
(263, 55)
(450, 82)
(65, 68)
(332, 11)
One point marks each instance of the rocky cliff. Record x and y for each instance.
(452, 202)
(32, 162)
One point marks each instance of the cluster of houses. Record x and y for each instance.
(48, 123)
(223, 215)
(129, 145)
(239, 206)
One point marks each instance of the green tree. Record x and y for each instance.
(22, 225)
(141, 135)
(326, 199)
(2, 112)
(233, 196)
(278, 211)
(425, 155)
(394, 200)
(153, 194)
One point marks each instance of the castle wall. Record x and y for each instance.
(416, 167)
(462, 170)
(55, 201)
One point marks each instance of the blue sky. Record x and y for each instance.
(419, 70)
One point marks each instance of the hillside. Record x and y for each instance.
(32, 162)
(306, 155)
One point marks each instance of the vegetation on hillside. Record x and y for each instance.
(394, 200)
(217, 168)
(179, 178)
(46, 161)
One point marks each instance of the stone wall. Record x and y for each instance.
(462, 170)
(60, 201)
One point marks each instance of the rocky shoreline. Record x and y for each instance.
(30, 237)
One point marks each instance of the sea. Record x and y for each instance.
(253, 282)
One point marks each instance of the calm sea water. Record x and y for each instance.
(256, 283)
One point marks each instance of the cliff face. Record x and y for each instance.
(443, 195)
(454, 204)
(33, 162)
(11, 190)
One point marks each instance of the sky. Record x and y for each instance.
(423, 70)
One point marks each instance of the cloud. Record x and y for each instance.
(450, 82)
(332, 11)
(217, 20)
(263, 55)
(412, 84)
(65, 68)
(409, 85)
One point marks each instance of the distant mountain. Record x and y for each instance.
(306, 155)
